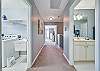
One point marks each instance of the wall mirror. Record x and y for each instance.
(80, 26)
(84, 23)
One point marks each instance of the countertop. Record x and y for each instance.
(83, 40)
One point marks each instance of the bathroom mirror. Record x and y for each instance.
(84, 22)
(80, 26)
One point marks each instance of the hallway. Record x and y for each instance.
(51, 59)
(50, 35)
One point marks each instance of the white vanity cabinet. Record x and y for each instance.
(79, 53)
(91, 51)
(84, 50)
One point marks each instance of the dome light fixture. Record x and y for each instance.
(51, 18)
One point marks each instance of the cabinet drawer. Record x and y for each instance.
(20, 42)
(80, 43)
(20, 47)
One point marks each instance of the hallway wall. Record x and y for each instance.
(37, 39)
(66, 32)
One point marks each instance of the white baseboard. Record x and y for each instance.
(37, 55)
(67, 59)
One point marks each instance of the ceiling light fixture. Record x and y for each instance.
(51, 18)
(78, 17)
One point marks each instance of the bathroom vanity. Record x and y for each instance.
(84, 50)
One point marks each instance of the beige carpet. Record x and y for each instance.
(51, 59)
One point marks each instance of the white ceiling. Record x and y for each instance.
(86, 4)
(51, 8)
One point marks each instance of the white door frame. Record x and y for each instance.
(0, 43)
(97, 68)
(29, 30)
(71, 29)
(97, 36)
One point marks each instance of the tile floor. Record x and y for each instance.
(51, 59)
(21, 65)
(85, 66)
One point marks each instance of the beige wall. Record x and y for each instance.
(37, 39)
(60, 28)
(66, 36)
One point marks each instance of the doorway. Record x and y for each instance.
(50, 33)
(83, 35)
(15, 39)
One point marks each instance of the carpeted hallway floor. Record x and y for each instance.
(51, 59)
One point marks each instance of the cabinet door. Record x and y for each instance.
(76, 53)
(91, 53)
(20, 47)
(79, 53)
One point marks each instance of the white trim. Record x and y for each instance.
(29, 44)
(37, 55)
(71, 12)
(67, 59)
